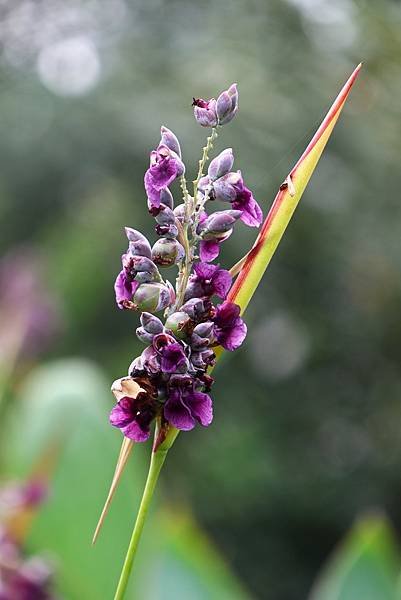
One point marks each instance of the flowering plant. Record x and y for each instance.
(170, 382)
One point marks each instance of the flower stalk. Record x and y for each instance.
(156, 462)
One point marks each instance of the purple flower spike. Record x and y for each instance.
(185, 406)
(124, 288)
(165, 166)
(205, 112)
(230, 330)
(208, 280)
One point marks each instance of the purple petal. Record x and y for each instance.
(232, 338)
(177, 413)
(205, 271)
(209, 250)
(200, 405)
(222, 282)
(173, 359)
(122, 413)
(251, 212)
(124, 289)
(134, 432)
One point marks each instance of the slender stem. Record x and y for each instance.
(156, 464)
(202, 162)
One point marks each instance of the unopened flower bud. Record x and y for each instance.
(202, 335)
(169, 139)
(219, 223)
(144, 336)
(203, 358)
(167, 252)
(226, 188)
(166, 224)
(179, 212)
(150, 323)
(178, 323)
(204, 330)
(198, 308)
(142, 269)
(134, 236)
(205, 112)
(227, 105)
(140, 248)
(221, 165)
(166, 198)
(165, 216)
(152, 297)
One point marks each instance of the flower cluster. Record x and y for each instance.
(171, 379)
(21, 578)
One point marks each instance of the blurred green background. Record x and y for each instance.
(306, 434)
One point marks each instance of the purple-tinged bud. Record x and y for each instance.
(202, 335)
(204, 183)
(203, 359)
(204, 330)
(166, 224)
(135, 236)
(167, 252)
(165, 216)
(144, 336)
(140, 248)
(166, 198)
(150, 323)
(205, 112)
(198, 309)
(226, 188)
(169, 139)
(227, 105)
(179, 213)
(152, 297)
(179, 323)
(221, 165)
(219, 223)
(141, 268)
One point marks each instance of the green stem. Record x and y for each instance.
(202, 162)
(156, 463)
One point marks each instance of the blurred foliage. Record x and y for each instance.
(367, 565)
(306, 429)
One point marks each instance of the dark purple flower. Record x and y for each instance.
(124, 287)
(165, 166)
(251, 212)
(173, 359)
(135, 409)
(208, 280)
(185, 405)
(231, 188)
(229, 329)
